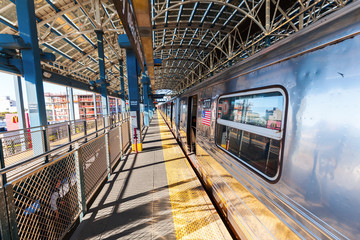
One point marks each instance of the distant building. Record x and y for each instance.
(7, 105)
(274, 115)
(86, 106)
(57, 106)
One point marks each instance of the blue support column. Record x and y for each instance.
(122, 84)
(32, 72)
(133, 91)
(134, 95)
(103, 87)
(145, 81)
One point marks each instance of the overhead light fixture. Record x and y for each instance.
(92, 87)
(47, 74)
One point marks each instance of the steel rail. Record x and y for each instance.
(11, 167)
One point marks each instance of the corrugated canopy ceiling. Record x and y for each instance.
(194, 39)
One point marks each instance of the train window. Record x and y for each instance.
(183, 115)
(249, 127)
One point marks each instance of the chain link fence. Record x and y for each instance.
(115, 147)
(43, 199)
(46, 201)
(125, 134)
(93, 155)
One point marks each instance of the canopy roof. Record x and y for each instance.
(66, 28)
(194, 39)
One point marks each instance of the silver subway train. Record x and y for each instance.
(276, 138)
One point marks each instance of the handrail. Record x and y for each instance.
(41, 166)
(55, 124)
(15, 165)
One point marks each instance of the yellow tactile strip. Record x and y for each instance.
(194, 215)
(254, 218)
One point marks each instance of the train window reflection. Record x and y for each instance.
(260, 152)
(249, 127)
(263, 109)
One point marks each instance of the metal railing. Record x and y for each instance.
(43, 199)
(19, 145)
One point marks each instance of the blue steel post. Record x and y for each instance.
(133, 91)
(103, 87)
(32, 71)
(134, 95)
(145, 81)
(122, 84)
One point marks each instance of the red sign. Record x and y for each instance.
(12, 121)
(15, 119)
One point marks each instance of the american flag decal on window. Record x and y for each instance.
(206, 117)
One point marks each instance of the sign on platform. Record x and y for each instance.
(133, 119)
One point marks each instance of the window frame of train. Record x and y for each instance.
(254, 133)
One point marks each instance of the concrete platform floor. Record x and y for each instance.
(153, 195)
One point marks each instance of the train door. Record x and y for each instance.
(171, 113)
(191, 126)
(177, 117)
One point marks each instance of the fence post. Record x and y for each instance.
(104, 123)
(96, 126)
(107, 147)
(79, 168)
(121, 140)
(4, 221)
(69, 135)
(9, 196)
(46, 144)
(129, 129)
(2, 163)
(85, 130)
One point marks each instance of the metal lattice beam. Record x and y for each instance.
(215, 34)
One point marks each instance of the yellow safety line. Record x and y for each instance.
(194, 215)
(254, 218)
